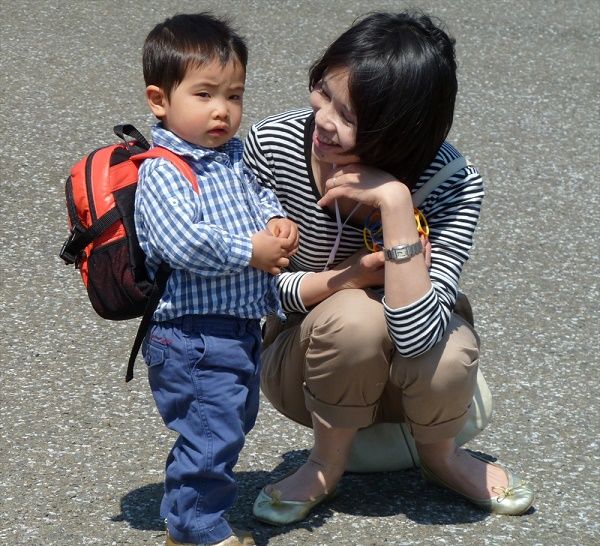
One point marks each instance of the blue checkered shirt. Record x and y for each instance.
(205, 237)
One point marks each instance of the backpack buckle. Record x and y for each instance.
(70, 252)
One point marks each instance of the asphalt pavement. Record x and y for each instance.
(82, 453)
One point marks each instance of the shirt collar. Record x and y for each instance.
(233, 148)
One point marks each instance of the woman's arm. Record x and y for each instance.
(417, 317)
(406, 281)
(361, 270)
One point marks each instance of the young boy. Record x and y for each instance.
(224, 244)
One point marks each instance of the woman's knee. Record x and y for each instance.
(449, 367)
(352, 330)
(348, 351)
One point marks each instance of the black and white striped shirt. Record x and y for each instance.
(278, 150)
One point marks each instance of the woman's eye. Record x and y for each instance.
(319, 89)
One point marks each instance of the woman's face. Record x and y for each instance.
(335, 121)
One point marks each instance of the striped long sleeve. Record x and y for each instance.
(278, 152)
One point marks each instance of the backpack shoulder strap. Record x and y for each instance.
(178, 161)
(158, 288)
(441, 176)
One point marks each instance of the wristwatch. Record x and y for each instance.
(402, 253)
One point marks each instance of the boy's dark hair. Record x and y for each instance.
(187, 40)
(402, 84)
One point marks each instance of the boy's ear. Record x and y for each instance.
(157, 100)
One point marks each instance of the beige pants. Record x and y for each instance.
(339, 362)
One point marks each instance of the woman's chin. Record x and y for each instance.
(333, 154)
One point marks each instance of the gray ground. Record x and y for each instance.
(82, 452)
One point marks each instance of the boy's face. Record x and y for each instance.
(206, 107)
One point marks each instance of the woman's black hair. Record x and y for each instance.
(188, 40)
(402, 84)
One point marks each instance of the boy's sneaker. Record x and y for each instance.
(239, 538)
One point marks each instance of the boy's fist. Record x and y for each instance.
(284, 228)
(268, 252)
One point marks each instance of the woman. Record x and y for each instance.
(372, 337)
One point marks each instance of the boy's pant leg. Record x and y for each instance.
(204, 374)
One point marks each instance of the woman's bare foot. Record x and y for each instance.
(464, 473)
(324, 468)
(310, 481)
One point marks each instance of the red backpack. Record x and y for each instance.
(103, 244)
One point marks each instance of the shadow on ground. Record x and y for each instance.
(371, 495)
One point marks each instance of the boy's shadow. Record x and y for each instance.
(372, 495)
(140, 508)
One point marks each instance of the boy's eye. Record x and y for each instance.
(235, 97)
(203, 94)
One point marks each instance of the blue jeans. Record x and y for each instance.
(204, 374)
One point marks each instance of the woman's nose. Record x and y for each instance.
(323, 119)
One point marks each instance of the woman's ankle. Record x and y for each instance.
(442, 454)
(309, 481)
(329, 473)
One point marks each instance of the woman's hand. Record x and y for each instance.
(366, 269)
(362, 270)
(367, 185)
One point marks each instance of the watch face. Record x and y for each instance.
(400, 252)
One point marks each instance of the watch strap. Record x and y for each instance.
(402, 253)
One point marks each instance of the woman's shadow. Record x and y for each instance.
(373, 495)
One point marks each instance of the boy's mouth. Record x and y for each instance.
(218, 131)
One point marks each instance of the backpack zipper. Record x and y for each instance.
(88, 185)
(71, 209)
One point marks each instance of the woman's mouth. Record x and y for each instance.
(321, 141)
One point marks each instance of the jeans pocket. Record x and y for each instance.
(153, 356)
(197, 349)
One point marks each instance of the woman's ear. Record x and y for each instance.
(157, 101)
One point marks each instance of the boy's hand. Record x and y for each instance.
(268, 252)
(284, 228)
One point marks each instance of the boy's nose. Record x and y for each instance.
(220, 110)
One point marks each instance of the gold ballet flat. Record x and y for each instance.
(513, 500)
(269, 508)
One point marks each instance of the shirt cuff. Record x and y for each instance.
(412, 308)
(288, 285)
(240, 253)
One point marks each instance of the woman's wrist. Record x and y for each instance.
(397, 219)
(318, 286)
